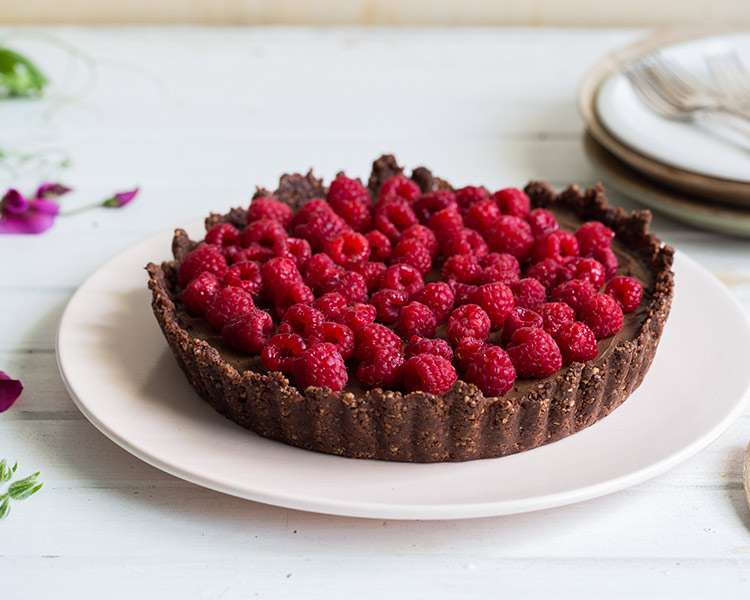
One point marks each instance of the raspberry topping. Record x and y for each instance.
(463, 268)
(383, 369)
(380, 245)
(587, 269)
(529, 293)
(281, 351)
(330, 305)
(593, 237)
(555, 314)
(319, 226)
(205, 257)
(439, 298)
(574, 293)
(468, 196)
(223, 235)
(513, 202)
(263, 232)
(491, 370)
(278, 273)
(344, 189)
(603, 315)
(464, 241)
(519, 318)
(424, 236)
(347, 249)
(337, 334)
(393, 218)
(423, 345)
(388, 303)
(228, 302)
(268, 208)
(576, 341)
(320, 366)
(497, 301)
(511, 235)
(350, 284)
(357, 215)
(627, 292)
(373, 274)
(245, 275)
(466, 349)
(534, 353)
(371, 338)
(445, 222)
(429, 373)
(482, 215)
(200, 292)
(248, 331)
(357, 316)
(427, 205)
(399, 188)
(403, 277)
(541, 221)
(416, 319)
(549, 273)
(295, 249)
(412, 252)
(319, 269)
(557, 245)
(468, 320)
(300, 319)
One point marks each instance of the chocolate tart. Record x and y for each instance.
(461, 424)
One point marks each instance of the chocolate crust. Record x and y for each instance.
(461, 424)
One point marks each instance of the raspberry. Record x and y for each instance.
(593, 237)
(249, 331)
(223, 235)
(626, 291)
(393, 218)
(245, 275)
(281, 351)
(268, 208)
(203, 258)
(320, 226)
(412, 252)
(227, 303)
(519, 318)
(541, 221)
(499, 274)
(504, 261)
(291, 294)
(464, 241)
(295, 249)
(300, 319)
(278, 273)
(603, 314)
(511, 235)
(399, 188)
(439, 298)
(416, 319)
(380, 245)
(463, 268)
(337, 334)
(513, 202)
(330, 305)
(491, 370)
(356, 317)
(468, 320)
(320, 366)
(429, 373)
(319, 269)
(371, 338)
(587, 269)
(555, 314)
(384, 369)
(230, 252)
(466, 349)
(534, 353)
(388, 303)
(557, 245)
(427, 205)
(463, 292)
(311, 207)
(403, 277)
(468, 196)
(574, 293)
(423, 345)
(576, 341)
(255, 253)
(608, 259)
(496, 299)
(263, 232)
(344, 189)
(445, 222)
(350, 284)
(424, 236)
(373, 273)
(200, 292)
(482, 215)
(357, 215)
(529, 293)
(549, 273)
(347, 249)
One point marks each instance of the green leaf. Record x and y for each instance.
(19, 76)
(15, 466)
(5, 472)
(23, 488)
(4, 506)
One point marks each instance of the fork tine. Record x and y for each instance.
(651, 95)
(729, 73)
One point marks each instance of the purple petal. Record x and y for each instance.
(43, 205)
(51, 190)
(10, 389)
(31, 222)
(120, 199)
(14, 202)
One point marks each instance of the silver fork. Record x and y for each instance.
(730, 76)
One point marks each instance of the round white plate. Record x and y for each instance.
(122, 376)
(688, 146)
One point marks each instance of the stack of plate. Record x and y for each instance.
(681, 169)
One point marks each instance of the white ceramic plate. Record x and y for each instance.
(122, 376)
(688, 146)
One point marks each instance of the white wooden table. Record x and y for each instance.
(198, 117)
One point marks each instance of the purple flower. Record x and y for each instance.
(120, 199)
(10, 389)
(21, 216)
(51, 190)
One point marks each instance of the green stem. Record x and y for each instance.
(80, 209)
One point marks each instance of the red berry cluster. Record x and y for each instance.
(347, 284)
